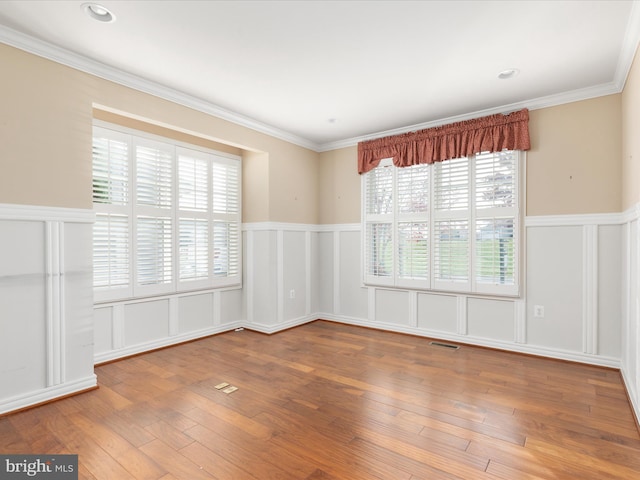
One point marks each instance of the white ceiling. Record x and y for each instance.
(328, 73)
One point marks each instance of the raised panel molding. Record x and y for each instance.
(590, 289)
(61, 324)
(589, 331)
(55, 309)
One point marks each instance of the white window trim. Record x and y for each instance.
(135, 291)
(470, 287)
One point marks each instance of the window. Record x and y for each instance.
(167, 216)
(451, 225)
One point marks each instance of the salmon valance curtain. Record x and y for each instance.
(487, 134)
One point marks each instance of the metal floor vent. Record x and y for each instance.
(444, 345)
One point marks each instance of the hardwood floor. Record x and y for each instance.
(329, 401)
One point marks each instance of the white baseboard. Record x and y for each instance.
(163, 342)
(47, 394)
(557, 354)
(633, 400)
(269, 329)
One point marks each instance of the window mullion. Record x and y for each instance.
(210, 223)
(394, 227)
(133, 215)
(175, 231)
(472, 223)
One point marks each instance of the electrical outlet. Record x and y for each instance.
(292, 294)
(538, 311)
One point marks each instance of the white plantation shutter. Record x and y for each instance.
(413, 251)
(194, 249)
(452, 196)
(451, 189)
(193, 179)
(154, 251)
(413, 203)
(112, 227)
(225, 184)
(153, 227)
(379, 252)
(496, 180)
(154, 178)
(495, 251)
(194, 207)
(226, 187)
(110, 170)
(226, 249)
(451, 239)
(451, 226)
(378, 241)
(496, 222)
(111, 256)
(379, 190)
(168, 217)
(396, 211)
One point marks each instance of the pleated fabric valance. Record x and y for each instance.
(487, 134)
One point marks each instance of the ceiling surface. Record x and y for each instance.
(326, 73)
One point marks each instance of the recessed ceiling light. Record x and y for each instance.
(98, 12)
(508, 73)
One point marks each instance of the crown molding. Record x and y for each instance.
(71, 59)
(533, 104)
(629, 46)
(84, 64)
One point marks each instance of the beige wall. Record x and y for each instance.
(574, 164)
(340, 186)
(163, 132)
(45, 137)
(255, 187)
(631, 137)
(45, 132)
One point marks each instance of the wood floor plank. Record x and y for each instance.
(174, 461)
(213, 463)
(326, 401)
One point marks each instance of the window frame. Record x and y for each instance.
(134, 212)
(470, 286)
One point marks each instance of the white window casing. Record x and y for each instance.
(450, 226)
(168, 216)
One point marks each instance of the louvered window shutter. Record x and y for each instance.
(154, 217)
(379, 208)
(226, 218)
(154, 250)
(194, 218)
(154, 179)
(168, 217)
(112, 227)
(111, 256)
(413, 202)
(110, 170)
(496, 222)
(193, 179)
(451, 224)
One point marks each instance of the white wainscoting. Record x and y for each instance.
(282, 272)
(573, 268)
(582, 269)
(133, 326)
(46, 298)
(630, 308)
